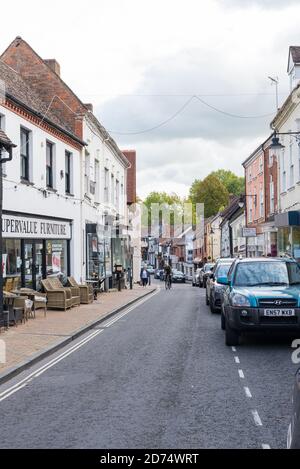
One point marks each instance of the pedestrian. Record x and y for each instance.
(144, 276)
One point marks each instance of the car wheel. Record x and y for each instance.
(211, 304)
(207, 300)
(222, 321)
(193, 284)
(231, 335)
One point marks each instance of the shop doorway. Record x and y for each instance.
(34, 264)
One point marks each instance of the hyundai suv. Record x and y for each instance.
(261, 294)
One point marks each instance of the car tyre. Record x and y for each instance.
(223, 320)
(211, 304)
(207, 300)
(231, 335)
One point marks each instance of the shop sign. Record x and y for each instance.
(249, 232)
(40, 228)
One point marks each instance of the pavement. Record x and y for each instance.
(29, 342)
(157, 375)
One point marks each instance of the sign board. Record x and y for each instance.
(40, 228)
(249, 232)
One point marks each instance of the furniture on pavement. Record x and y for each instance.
(39, 300)
(57, 298)
(85, 291)
(15, 308)
(75, 293)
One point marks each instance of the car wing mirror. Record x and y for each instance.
(223, 281)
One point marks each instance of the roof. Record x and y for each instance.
(294, 52)
(17, 89)
(264, 259)
(4, 140)
(231, 209)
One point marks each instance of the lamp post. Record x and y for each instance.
(6, 147)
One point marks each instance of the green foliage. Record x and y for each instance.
(234, 184)
(162, 198)
(211, 192)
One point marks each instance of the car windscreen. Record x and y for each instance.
(262, 273)
(222, 270)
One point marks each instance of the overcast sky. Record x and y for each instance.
(140, 62)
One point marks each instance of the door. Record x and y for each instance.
(34, 259)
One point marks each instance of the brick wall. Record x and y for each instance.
(131, 176)
(270, 171)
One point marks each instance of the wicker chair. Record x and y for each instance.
(75, 293)
(40, 299)
(58, 298)
(86, 291)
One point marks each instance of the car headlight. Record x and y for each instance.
(240, 300)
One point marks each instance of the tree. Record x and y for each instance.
(162, 198)
(233, 183)
(211, 192)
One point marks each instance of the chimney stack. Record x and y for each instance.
(90, 107)
(54, 65)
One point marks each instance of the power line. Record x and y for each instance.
(181, 109)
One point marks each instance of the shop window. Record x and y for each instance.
(11, 259)
(56, 259)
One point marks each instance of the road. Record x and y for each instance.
(160, 376)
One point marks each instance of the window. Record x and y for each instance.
(112, 193)
(49, 164)
(250, 215)
(260, 164)
(117, 194)
(271, 195)
(68, 175)
(291, 182)
(87, 173)
(284, 181)
(25, 153)
(97, 180)
(106, 189)
(261, 204)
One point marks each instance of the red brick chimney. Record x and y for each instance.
(54, 65)
(131, 176)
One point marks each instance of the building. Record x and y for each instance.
(67, 158)
(287, 121)
(41, 202)
(232, 216)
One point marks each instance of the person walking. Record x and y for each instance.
(144, 276)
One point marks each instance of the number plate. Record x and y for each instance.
(279, 312)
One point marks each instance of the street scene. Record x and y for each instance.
(150, 228)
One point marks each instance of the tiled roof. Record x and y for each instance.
(4, 140)
(295, 53)
(16, 87)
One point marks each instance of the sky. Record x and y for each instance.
(156, 71)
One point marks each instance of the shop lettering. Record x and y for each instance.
(33, 227)
(19, 226)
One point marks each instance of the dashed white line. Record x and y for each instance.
(264, 446)
(237, 360)
(256, 417)
(233, 349)
(241, 374)
(247, 392)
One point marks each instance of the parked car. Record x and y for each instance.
(157, 273)
(196, 277)
(150, 269)
(215, 286)
(204, 273)
(178, 276)
(262, 294)
(293, 437)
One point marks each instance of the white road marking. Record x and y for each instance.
(241, 374)
(256, 417)
(237, 360)
(25, 381)
(233, 349)
(264, 446)
(247, 391)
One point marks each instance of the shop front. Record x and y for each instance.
(34, 248)
(288, 235)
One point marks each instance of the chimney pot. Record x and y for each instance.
(90, 107)
(54, 65)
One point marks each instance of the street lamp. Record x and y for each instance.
(6, 147)
(243, 199)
